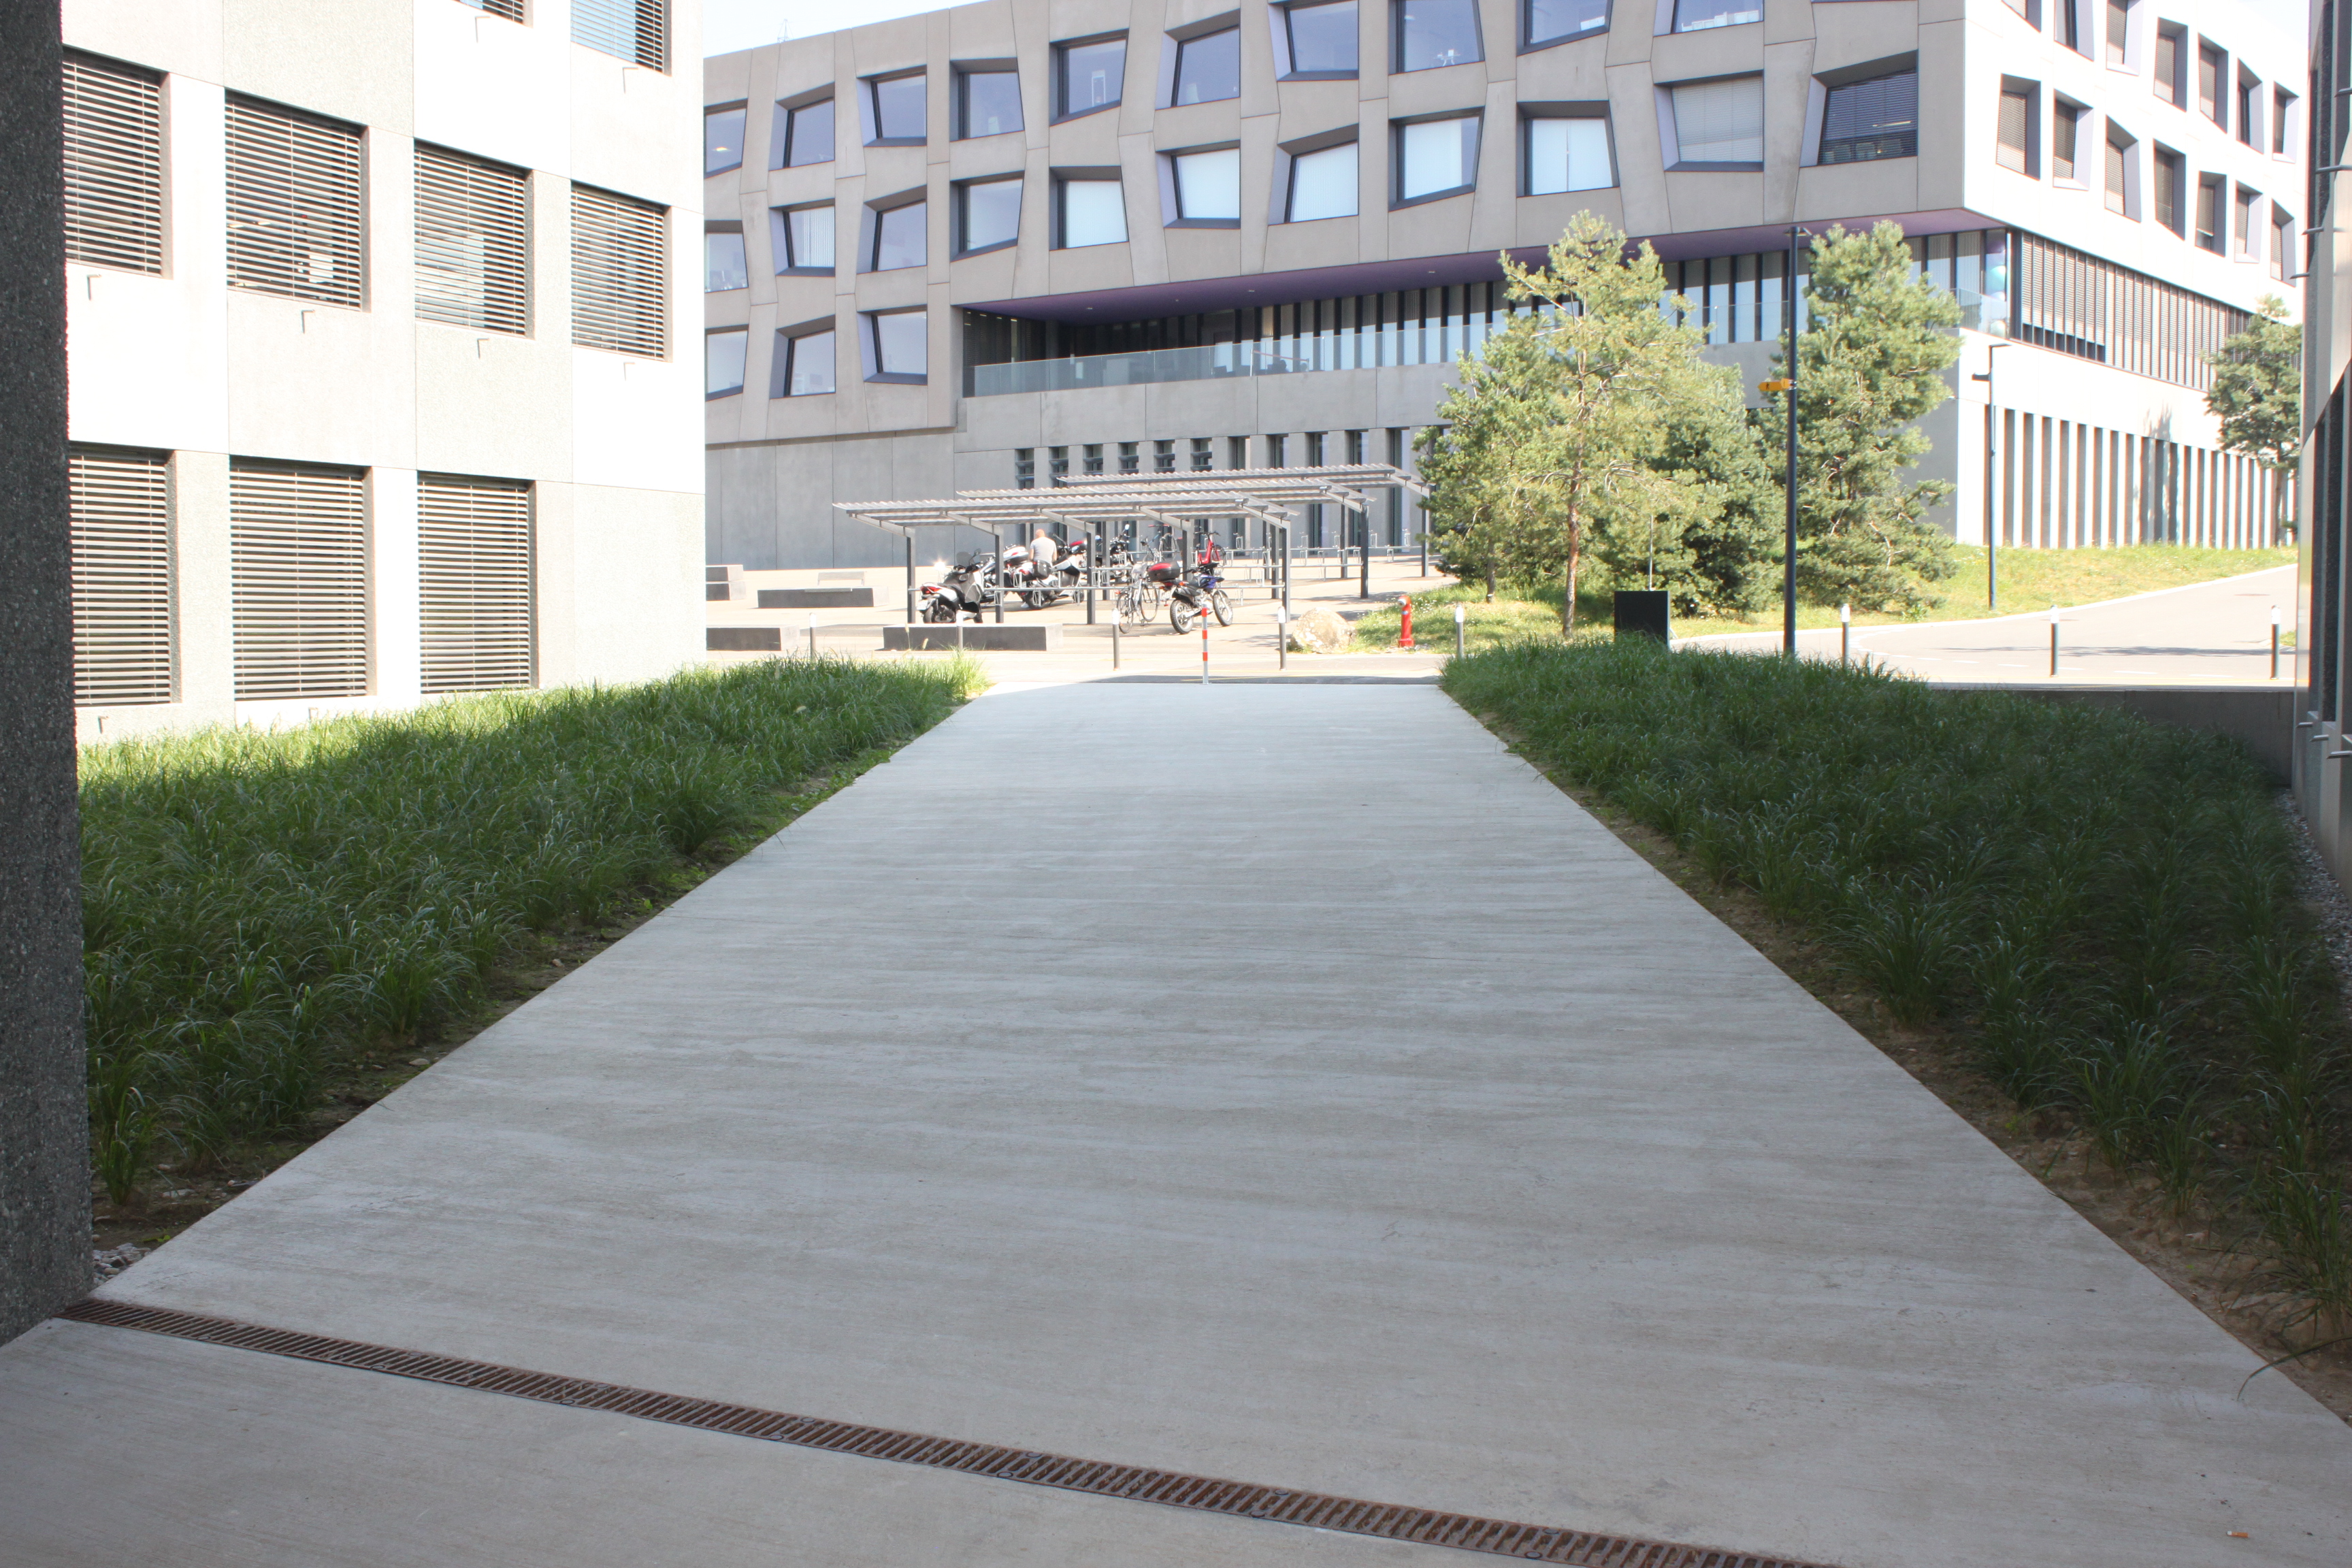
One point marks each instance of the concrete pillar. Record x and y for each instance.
(43, 1127)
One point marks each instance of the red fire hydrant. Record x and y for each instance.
(1404, 636)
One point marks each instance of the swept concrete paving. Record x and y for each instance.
(1273, 1082)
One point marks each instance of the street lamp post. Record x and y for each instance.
(1999, 334)
(1796, 238)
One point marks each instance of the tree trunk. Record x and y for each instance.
(1490, 584)
(1568, 599)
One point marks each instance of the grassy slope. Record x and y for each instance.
(2030, 580)
(2101, 911)
(262, 907)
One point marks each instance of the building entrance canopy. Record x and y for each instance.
(1267, 494)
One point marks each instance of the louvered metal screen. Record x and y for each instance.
(619, 273)
(297, 576)
(633, 30)
(472, 243)
(510, 9)
(119, 505)
(474, 557)
(114, 164)
(294, 215)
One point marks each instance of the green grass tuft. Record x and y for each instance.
(2102, 910)
(254, 902)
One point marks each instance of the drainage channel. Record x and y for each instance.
(1207, 1494)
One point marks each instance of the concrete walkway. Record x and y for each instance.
(1274, 1082)
(2215, 632)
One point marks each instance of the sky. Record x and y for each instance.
(731, 24)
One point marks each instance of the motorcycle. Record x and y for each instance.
(966, 587)
(1023, 574)
(1189, 599)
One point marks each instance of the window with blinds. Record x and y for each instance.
(294, 216)
(114, 164)
(472, 243)
(1861, 120)
(637, 31)
(119, 506)
(297, 581)
(2086, 306)
(510, 9)
(474, 574)
(619, 273)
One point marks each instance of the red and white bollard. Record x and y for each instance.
(1204, 651)
(1404, 634)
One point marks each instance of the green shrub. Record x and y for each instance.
(2102, 910)
(254, 901)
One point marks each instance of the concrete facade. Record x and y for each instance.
(44, 1122)
(187, 364)
(2088, 448)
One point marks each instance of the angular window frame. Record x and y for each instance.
(2027, 149)
(713, 116)
(1178, 48)
(782, 247)
(876, 228)
(722, 229)
(2213, 198)
(2214, 82)
(1671, 92)
(783, 144)
(2066, 121)
(1531, 114)
(2282, 238)
(1398, 56)
(1171, 163)
(1316, 146)
(791, 343)
(2119, 173)
(1286, 40)
(1064, 178)
(962, 73)
(1725, 14)
(869, 107)
(1401, 131)
(714, 353)
(1061, 83)
(1529, 43)
(960, 214)
(2171, 86)
(2245, 233)
(1890, 142)
(2167, 166)
(871, 346)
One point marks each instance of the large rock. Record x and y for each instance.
(1320, 631)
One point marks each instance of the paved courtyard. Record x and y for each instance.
(1281, 1083)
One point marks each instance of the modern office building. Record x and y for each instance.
(994, 244)
(2323, 656)
(383, 351)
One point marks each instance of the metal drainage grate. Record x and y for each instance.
(1320, 1511)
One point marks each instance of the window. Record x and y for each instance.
(113, 165)
(2170, 176)
(1431, 34)
(1094, 212)
(1208, 68)
(988, 102)
(1879, 118)
(619, 273)
(2250, 111)
(473, 242)
(1436, 158)
(1024, 468)
(2118, 32)
(2117, 182)
(1322, 185)
(722, 140)
(894, 109)
(1319, 40)
(1567, 154)
(637, 31)
(2212, 66)
(474, 583)
(294, 219)
(510, 9)
(2282, 243)
(2171, 51)
(1088, 75)
(988, 216)
(804, 364)
(1131, 460)
(2065, 132)
(899, 345)
(722, 361)
(723, 265)
(1697, 16)
(2069, 25)
(2209, 212)
(804, 135)
(802, 237)
(2014, 149)
(1209, 187)
(119, 513)
(2245, 238)
(900, 236)
(1553, 21)
(2282, 104)
(1719, 123)
(297, 581)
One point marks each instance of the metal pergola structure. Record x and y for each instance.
(1267, 496)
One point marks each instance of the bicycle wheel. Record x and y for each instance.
(1223, 606)
(1130, 609)
(1183, 617)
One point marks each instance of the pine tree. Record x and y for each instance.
(2257, 394)
(1871, 364)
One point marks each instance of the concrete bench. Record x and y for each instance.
(744, 639)
(816, 598)
(985, 637)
